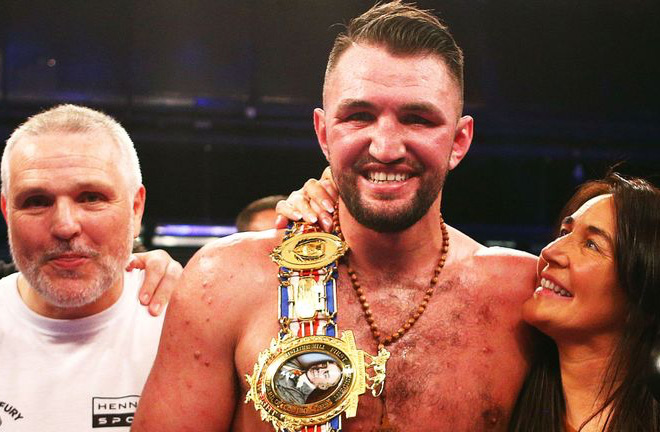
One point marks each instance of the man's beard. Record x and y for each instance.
(388, 222)
(62, 294)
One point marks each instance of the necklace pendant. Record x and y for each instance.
(386, 426)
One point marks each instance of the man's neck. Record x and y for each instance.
(397, 250)
(38, 304)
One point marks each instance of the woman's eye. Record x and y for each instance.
(592, 245)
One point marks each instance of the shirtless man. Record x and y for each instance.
(391, 129)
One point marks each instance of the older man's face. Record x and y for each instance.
(71, 216)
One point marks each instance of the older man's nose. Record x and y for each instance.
(65, 222)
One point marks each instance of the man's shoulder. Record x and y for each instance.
(465, 247)
(470, 251)
(506, 255)
(237, 250)
(510, 271)
(236, 268)
(239, 257)
(494, 265)
(226, 285)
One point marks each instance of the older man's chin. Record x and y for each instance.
(73, 289)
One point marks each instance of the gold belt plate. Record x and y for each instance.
(280, 397)
(309, 251)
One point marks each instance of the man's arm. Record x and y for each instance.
(192, 385)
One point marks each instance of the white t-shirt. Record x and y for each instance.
(74, 375)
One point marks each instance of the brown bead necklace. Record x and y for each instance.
(418, 311)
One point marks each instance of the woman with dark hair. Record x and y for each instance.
(598, 310)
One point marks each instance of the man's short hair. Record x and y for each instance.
(402, 29)
(246, 215)
(76, 119)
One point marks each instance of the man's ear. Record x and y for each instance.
(138, 209)
(319, 127)
(3, 204)
(462, 141)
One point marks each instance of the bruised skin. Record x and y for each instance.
(458, 368)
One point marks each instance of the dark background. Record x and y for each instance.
(218, 96)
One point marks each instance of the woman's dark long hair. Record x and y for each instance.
(540, 406)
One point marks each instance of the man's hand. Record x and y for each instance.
(314, 202)
(162, 275)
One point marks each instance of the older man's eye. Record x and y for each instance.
(36, 201)
(91, 197)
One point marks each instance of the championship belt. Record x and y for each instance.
(308, 377)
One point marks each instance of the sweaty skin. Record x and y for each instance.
(461, 365)
(459, 368)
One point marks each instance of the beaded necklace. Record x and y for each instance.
(417, 312)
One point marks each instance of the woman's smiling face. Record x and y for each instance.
(578, 295)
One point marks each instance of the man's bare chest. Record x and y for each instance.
(446, 374)
(458, 368)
